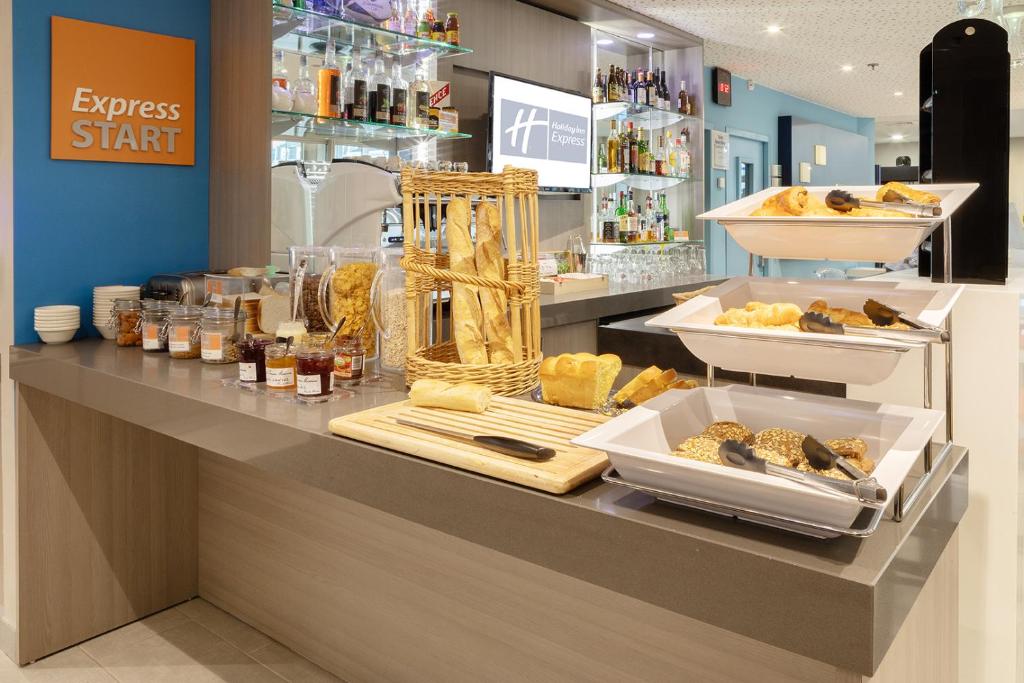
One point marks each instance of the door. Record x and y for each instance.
(746, 176)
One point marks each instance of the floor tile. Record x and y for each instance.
(103, 646)
(233, 630)
(290, 666)
(69, 666)
(219, 663)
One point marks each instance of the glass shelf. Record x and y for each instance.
(310, 24)
(645, 244)
(640, 114)
(290, 124)
(640, 181)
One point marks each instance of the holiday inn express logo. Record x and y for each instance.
(539, 133)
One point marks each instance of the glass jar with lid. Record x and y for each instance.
(183, 332)
(220, 327)
(390, 312)
(349, 360)
(347, 291)
(153, 324)
(252, 361)
(124, 320)
(307, 266)
(314, 373)
(280, 362)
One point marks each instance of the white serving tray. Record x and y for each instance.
(849, 359)
(833, 237)
(639, 445)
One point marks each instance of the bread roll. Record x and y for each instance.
(435, 393)
(467, 318)
(578, 380)
(490, 264)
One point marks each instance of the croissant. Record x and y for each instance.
(790, 202)
(761, 315)
(908, 192)
(845, 316)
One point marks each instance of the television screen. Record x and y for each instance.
(543, 128)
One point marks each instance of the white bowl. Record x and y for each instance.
(115, 288)
(55, 336)
(105, 331)
(62, 324)
(57, 327)
(57, 318)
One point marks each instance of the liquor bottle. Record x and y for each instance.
(659, 157)
(613, 148)
(609, 222)
(602, 156)
(634, 220)
(651, 97)
(394, 22)
(666, 98)
(597, 92)
(666, 229)
(360, 89)
(304, 90)
(623, 218)
(280, 78)
(329, 85)
(684, 99)
(380, 93)
(421, 96)
(281, 96)
(684, 160)
(634, 149)
(399, 96)
(651, 220)
(643, 152)
(410, 21)
(347, 86)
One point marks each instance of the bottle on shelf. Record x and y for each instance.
(347, 86)
(634, 219)
(651, 97)
(684, 160)
(613, 148)
(281, 95)
(394, 22)
(602, 156)
(633, 148)
(659, 157)
(437, 30)
(643, 154)
(304, 90)
(622, 214)
(666, 98)
(451, 28)
(380, 93)
(360, 88)
(423, 27)
(597, 90)
(399, 96)
(410, 20)
(609, 221)
(684, 99)
(666, 225)
(329, 85)
(421, 96)
(650, 219)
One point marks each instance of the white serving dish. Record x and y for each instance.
(833, 237)
(57, 336)
(849, 359)
(639, 445)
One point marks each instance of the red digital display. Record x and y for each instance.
(722, 92)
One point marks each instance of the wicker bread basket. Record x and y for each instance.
(432, 352)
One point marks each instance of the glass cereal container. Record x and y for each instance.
(347, 292)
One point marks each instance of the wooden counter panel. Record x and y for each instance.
(107, 528)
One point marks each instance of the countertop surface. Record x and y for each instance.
(712, 569)
(620, 297)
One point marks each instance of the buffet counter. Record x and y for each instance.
(149, 482)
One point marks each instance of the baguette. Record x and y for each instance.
(435, 393)
(467, 317)
(490, 264)
(634, 384)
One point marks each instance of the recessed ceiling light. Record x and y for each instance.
(645, 35)
(898, 93)
(847, 68)
(896, 136)
(605, 41)
(773, 28)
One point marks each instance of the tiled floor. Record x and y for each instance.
(194, 642)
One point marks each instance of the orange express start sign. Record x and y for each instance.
(121, 95)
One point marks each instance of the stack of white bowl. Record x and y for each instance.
(57, 324)
(103, 305)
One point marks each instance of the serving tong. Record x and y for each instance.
(880, 314)
(844, 202)
(867, 490)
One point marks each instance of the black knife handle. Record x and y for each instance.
(515, 447)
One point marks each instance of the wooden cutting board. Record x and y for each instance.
(538, 423)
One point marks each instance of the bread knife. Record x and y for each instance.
(501, 444)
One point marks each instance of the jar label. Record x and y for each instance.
(213, 346)
(151, 336)
(309, 385)
(280, 377)
(179, 346)
(247, 372)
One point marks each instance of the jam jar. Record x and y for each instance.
(252, 362)
(183, 332)
(349, 359)
(124, 319)
(280, 367)
(314, 373)
(155, 315)
(219, 329)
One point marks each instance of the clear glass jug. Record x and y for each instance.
(346, 290)
(390, 312)
(307, 267)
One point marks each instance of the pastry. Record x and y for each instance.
(490, 264)
(467, 316)
(919, 196)
(785, 442)
(845, 316)
(757, 314)
(578, 380)
(790, 202)
(700, 448)
(634, 384)
(728, 430)
(435, 393)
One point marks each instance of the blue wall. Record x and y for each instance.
(758, 111)
(78, 224)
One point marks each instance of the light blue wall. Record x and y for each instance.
(850, 141)
(81, 223)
